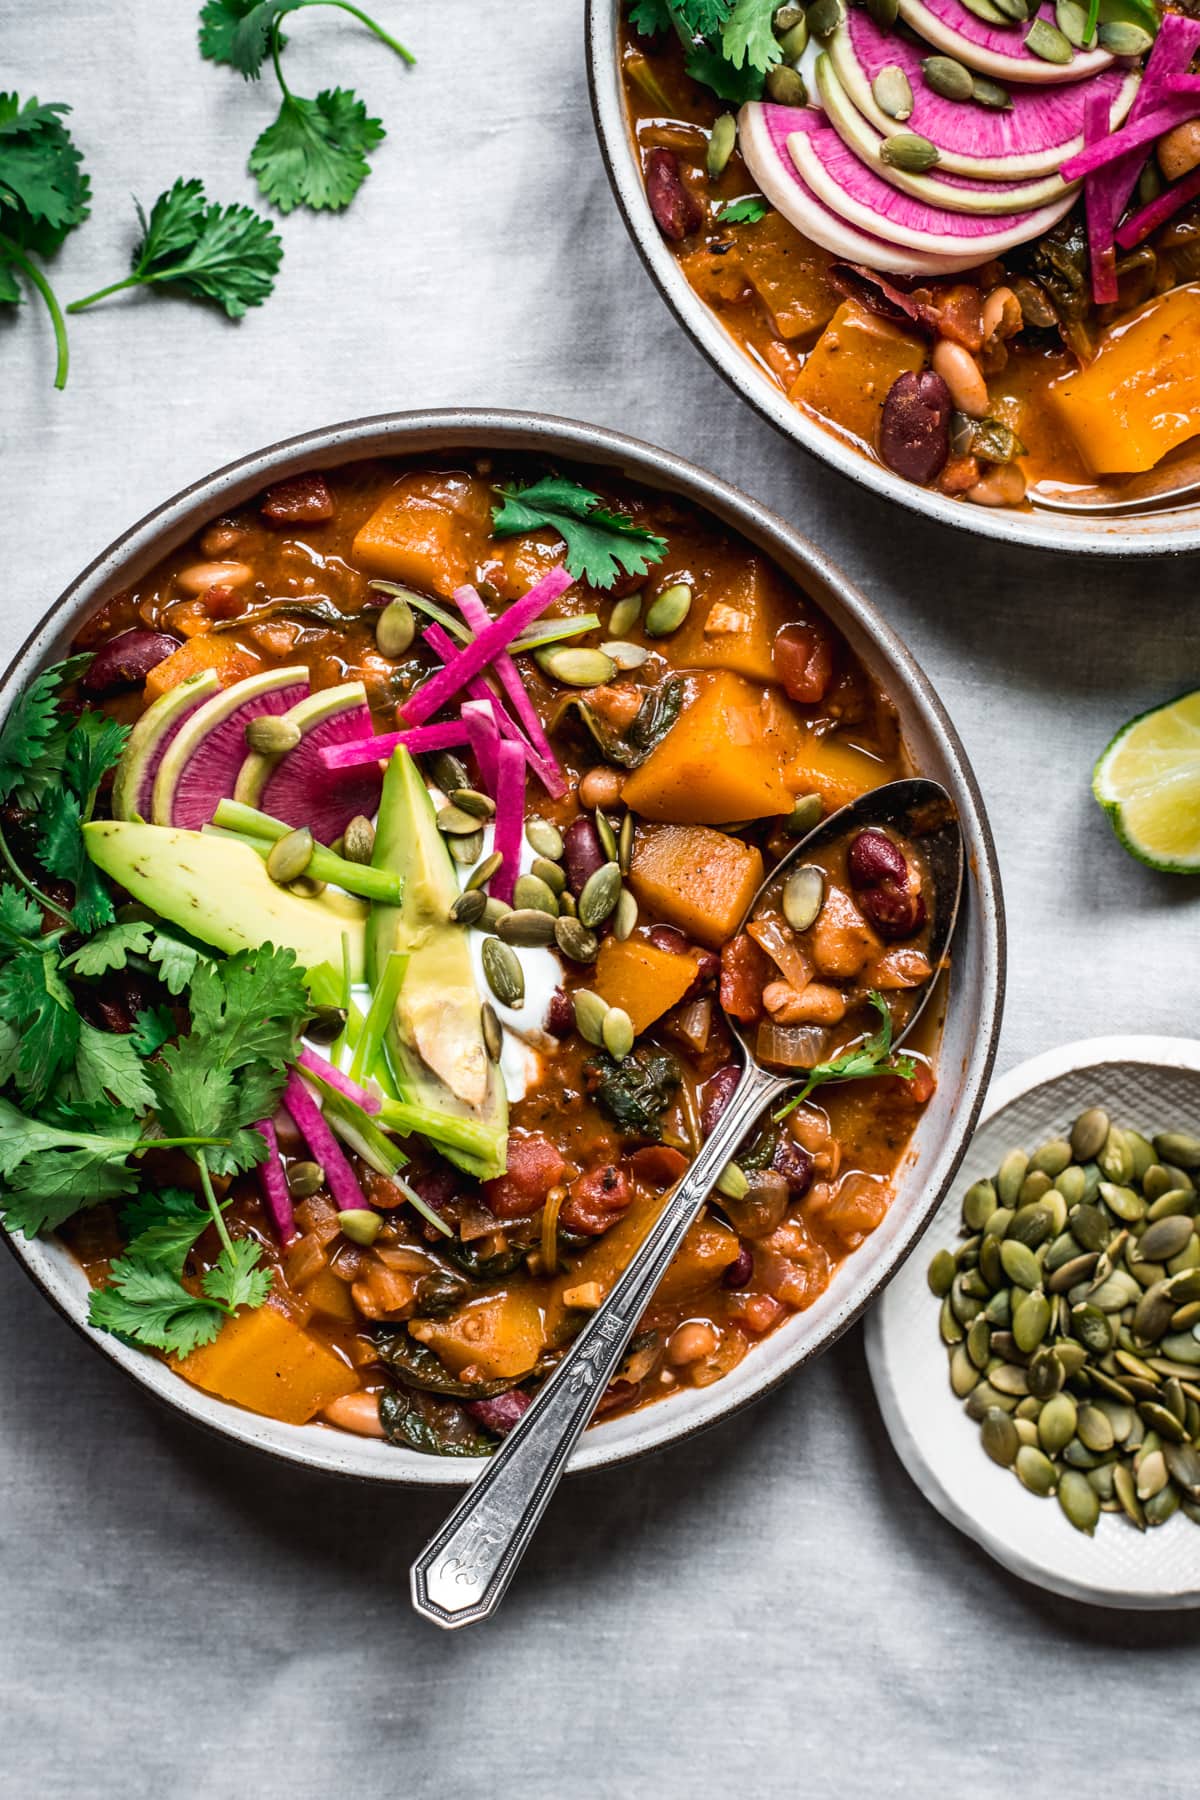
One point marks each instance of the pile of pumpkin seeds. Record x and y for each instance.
(1071, 1313)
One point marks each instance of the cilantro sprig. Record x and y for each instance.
(729, 44)
(600, 544)
(146, 1299)
(315, 153)
(872, 1057)
(44, 195)
(226, 254)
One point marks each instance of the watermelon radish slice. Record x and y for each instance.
(957, 193)
(1043, 129)
(202, 762)
(866, 200)
(763, 133)
(996, 50)
(147, 744)
(297, 787)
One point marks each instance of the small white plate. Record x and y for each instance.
(1152, 1084)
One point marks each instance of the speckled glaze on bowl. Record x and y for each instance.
(977, 985)
(1152, 534)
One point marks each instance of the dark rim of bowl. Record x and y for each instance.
(464, 427)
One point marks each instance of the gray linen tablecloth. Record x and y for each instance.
(772, 1608)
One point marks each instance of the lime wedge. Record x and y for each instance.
(1148, 782)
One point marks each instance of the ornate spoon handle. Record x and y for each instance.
(462, 1573)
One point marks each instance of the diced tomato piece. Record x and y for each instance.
(301, 500)
(535, 1165)
(618, 703)
(657, 1165)
(221, 602)
(803, 658)
(596, 1201)
(757, 1312)
(745, 971)
(960, 315)
(922, 1084)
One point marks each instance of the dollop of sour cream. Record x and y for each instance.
(525, 1038)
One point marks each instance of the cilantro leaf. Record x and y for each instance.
(62, 851)
(248, 1006)
(109, 949)
(748, 35)
(94, 746)
(108, 1065)
(600, 544)
(22, 1137)
(649, 17)
(238, 32)
(37, 1002)
(33, 739)
(315, 154)
(154, 1028)
(236, 1278)
(44, 195)
(747, 211)
(147, 1303)
(20, 919)
(177, 962)
(227, 254)
(163, 1227)
(711, 70)
(872, 1057)
(48, 1188)
(701, 17)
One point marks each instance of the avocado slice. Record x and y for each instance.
(435, 1040)
(218, 889)
(148, 742)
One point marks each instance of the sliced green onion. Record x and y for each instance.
(369, 1048)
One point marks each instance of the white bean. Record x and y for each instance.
(1002, 316)
(961, 374)
(355, 1412)
(197, 578)
(1002, 486)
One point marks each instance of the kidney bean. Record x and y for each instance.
(677, 212)
(501, 1412)
(560, 1014)
(718, 1091)
(301, 500)
(669, 938)
(803, 660)
(738, 1274)
(745, 972)
(793, 1162)
(894, 910)
(126, 660)
(583, 853)
(914, 432)
(873, 857)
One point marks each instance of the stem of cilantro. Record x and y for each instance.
(16, 255)
(115, 287)
(43, 900)
(405, 56)
(214, 1206)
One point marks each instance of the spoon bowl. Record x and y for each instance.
(464, 1571)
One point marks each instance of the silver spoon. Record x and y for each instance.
(1173, 483)
(463, 1572)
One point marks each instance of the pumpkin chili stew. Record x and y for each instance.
(377, 869)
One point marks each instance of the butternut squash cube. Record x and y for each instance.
(644, 980)
(836, 770)
(790, 277)
(502, 1335)
(721, 761)
(698, 879)
(1140, 395)
(267, 1363)
(413, 537)
(192, 658)
(733, 620)
(851, 368)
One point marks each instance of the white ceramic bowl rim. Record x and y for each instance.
(978, 981)
(1140, 535)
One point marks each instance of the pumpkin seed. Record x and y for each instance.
(1123, 1201)
(1183, 1463)
(625, 844)
(576, 668)
(600, 894)
(1161, 1419)
(471, 801)
(803, 896)
(1151, 1475)
(590, 1014)
(290, 856)
(1078, 1500)
(963, 1373)
(545, 838)
(606, 834)
(785, 17)
(1016, 12)
(625, 916)
(892, 92)
(493, 1036)
(948, 1325)
(794, 41)
(360, 1225)
(1094, 1429)
(575, 941)
(503, 972)
(1035, 1470)
(979, 1342)
(493, 912)
(1115, 1159)
(785, 86)
(1125, 1489)
(526, 926)
(990, 94)
(1089, 1134)
(1047, 42)
(549, 872)
(1056, 1423)
(466, 849)
(272, 734)
(448, 771)
(1046, 1374)
(1010, 1175)
(721, 140)
(667, 613)
(531, 892)
(1122, 39)
(1071, 1183)
(1142, 1152)
(979, 1203)
(1020, 1264)
(1071, 1273)
(1035, 1184)
(884, 13)
(468, 909)
(732, 1182)
(824, 17)
(483, 872)
(1175, 1399)
(1179, 1148)
(1031, 1322)
(395, 629)
(1169, 1204)
(617, 1032)
(983, 9)
(625, 655)
(941, 1273)
(1072, 21)
(1092, 1328)
(307, 887)
(1051, 1157)
(804, 816)
(983, 1399)
(625, 614)
(452, 821)
(358, 840)
(947, 78)
(304, 1179)
(1089, 1226)
(1009, 1378)
(1165, 1238)
(909, 151)
(1000, 1438)
(1032, 1224)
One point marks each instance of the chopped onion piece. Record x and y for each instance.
(777, 940)
(790, 1046)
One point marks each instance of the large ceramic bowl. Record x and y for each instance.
(978, 971)
(1140, 535)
